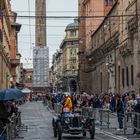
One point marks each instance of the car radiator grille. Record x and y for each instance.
(75, 122)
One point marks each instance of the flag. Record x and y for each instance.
(10, 77)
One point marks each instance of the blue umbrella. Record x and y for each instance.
(5, 95)
(10, 94)
(18, 92)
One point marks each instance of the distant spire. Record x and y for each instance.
(76, 20)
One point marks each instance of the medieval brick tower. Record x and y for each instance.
(40, 23)
(40, 51)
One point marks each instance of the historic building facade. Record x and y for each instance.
(92, 13)
(65, 61)
(114, 57)
(9, 56)
(56, 72)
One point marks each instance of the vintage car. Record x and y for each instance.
(73, 123)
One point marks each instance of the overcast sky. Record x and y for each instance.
(55, 28)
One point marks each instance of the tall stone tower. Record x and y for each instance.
(40, 23)
(40, 51)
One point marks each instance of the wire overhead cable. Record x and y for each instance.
(91, 11)
(73, 17)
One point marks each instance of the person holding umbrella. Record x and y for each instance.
(3, 120)
(7, 108)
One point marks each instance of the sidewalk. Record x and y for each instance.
(38, 120)
(114, 125)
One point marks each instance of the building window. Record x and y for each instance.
(39, 40)
(87, 9)
(111, 2)
(132, 75)
(74, 60)
(127, 76)
(119, 80)
(106, 2)
(73, 51)
(123, 76)
(101, 78)
(73, 33)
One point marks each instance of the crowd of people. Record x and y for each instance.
(116, 103)
(8, 110)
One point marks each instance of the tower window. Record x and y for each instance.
(111, 2)
(73, 33)
(106, 2)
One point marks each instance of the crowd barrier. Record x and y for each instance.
(105, 118)
(10, 131)
(132, 122)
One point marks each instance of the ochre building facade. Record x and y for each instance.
(113, 59)
(91, 13)
(9, 56)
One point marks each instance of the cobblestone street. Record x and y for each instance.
(38, 120)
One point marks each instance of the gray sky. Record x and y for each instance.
(55, 28)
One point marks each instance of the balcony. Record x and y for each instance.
(125, 49)
(15, 62)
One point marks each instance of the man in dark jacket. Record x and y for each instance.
(137, 118)
(96, 102)
(3, 120)
(120, 112)
(3, 112)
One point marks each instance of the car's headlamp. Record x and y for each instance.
(67, 120)
(83, 120)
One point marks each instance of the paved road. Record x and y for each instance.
(38, 119)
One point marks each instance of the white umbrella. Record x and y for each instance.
(26, 90)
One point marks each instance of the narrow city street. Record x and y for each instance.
(38, 120)
(81, 57)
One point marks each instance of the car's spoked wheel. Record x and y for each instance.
(59, 127)
(92, 130)
(55, 131)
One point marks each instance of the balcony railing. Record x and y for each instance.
(15, 61)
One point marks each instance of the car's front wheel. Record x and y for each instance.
(84, 134)
(92, 130)
(59, 127)
(55, 131)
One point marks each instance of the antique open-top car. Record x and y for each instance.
(73, 123)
